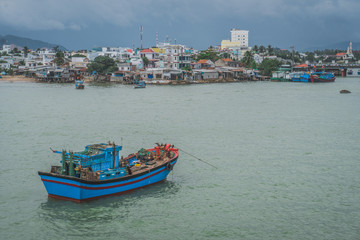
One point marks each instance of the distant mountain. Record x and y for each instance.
(339, 46)
(30, 43)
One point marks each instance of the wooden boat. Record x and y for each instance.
(312, 77)
(141, 84)
(98, 171)
(79, 84)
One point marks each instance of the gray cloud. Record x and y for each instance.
(191, 20)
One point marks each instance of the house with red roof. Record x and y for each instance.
(341, 55)
(226, 62)
(204, 63)
(149, 54)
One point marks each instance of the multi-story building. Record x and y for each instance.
(241, 36)
(175, 56)
(239, 40)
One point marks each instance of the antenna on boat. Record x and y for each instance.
(197, 158)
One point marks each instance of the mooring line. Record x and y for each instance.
(197, 158)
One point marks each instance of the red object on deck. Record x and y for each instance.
(157, 151)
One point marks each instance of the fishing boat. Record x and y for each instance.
(98, 171)
(312, 77)
(141, 84)
(79, 84)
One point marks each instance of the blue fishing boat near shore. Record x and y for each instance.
(141, 84)
(312, 77)
(79, 84)
(98, 171)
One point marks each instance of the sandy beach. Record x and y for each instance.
(18, 78)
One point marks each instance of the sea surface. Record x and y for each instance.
(287, 158)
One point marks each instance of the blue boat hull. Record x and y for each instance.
(78, 190)
(314, 77)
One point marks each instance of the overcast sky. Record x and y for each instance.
(83, 24)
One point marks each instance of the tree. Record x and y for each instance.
(225, 55)
(103, 65)
(78, 55)
(59, 58)
(255, 48)
(253, 64)
(21, 63)
(146, 61)
(208, 54)
(262, 49)
(26, 50)
(310, 56)
(268, 65)
(247, 59)
(187, 68)
(270, 50)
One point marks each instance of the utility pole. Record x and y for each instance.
(141, 37)
(292, 50)
(157, 39)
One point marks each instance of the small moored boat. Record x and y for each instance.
(79, 84)
(98, 171)
(141, 84)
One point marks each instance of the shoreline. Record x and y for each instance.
(20, 78)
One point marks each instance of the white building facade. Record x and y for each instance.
(241, 36)
(175, 56)
(239, 40)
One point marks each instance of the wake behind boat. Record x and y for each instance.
(98, 171)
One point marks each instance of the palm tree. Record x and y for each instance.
(26, 49)
(255, 48)
(262, 49)
(248, 59)
(59, 58)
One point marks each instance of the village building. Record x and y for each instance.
(239, 40)
(175, 56)
(226, 62)
(204, 64)
(149, 54)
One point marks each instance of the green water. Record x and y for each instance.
(287, 157)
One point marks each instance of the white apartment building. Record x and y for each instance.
(241, 36)
(239, 40)
(115, 52)
(175, 56)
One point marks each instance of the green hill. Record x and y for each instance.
(339, 46)
(30, 43)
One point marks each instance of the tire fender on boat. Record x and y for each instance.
(169, 167)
